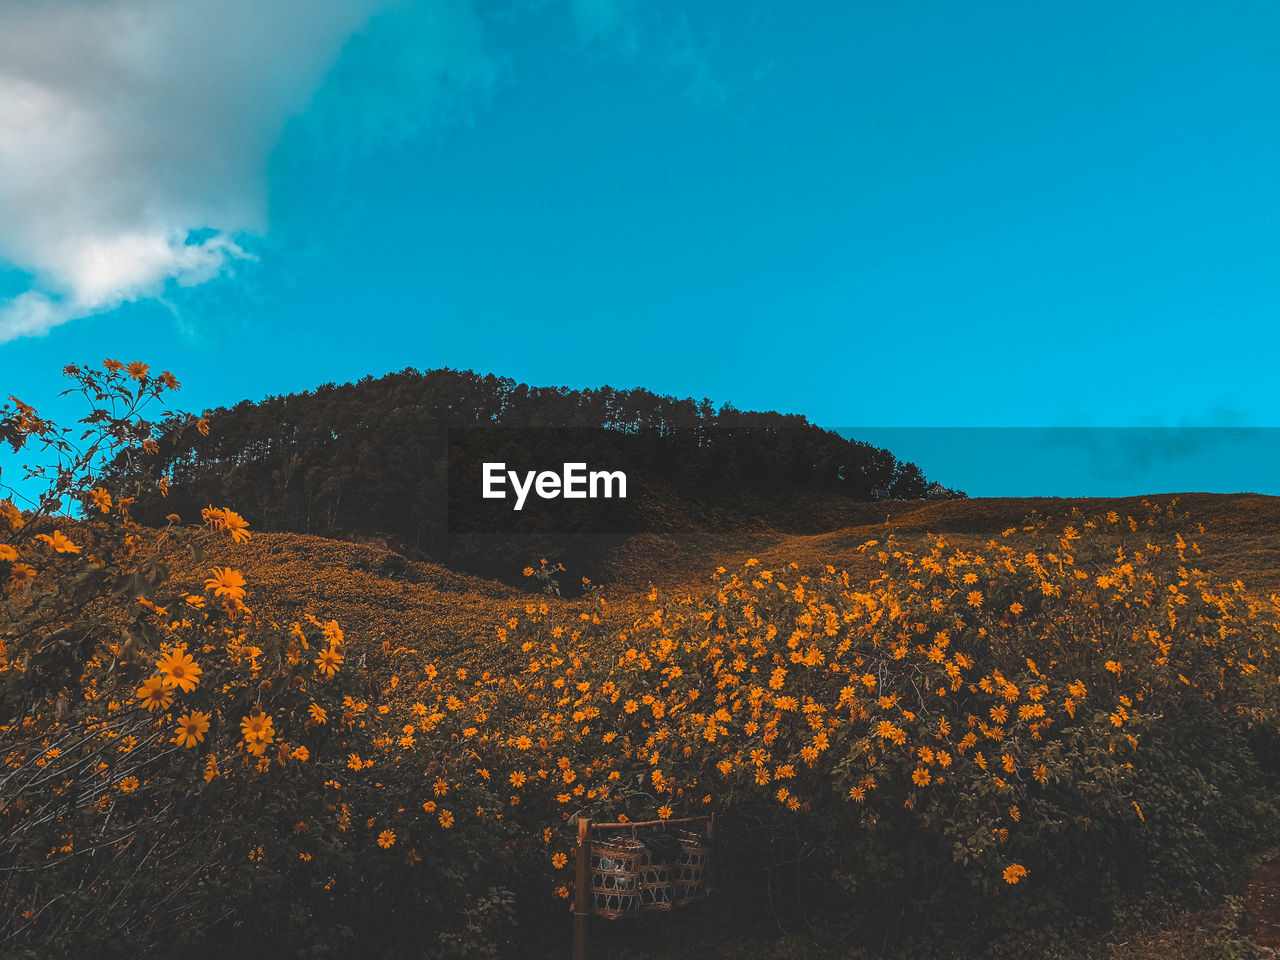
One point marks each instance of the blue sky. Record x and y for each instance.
(907, 214)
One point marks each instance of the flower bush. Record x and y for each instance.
(995, 749)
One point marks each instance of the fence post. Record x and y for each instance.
(582, 890)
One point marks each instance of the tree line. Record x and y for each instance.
(373, 457)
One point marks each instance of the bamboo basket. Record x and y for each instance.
(615, 877)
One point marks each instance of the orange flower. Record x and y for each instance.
(258, 732)
(1014, 872)
(181, 669)
(21, 574)
(192, 728)
(226, 582)
(329, 661)
(386, 839)
(156, 693)
(58, 542)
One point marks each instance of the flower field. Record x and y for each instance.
(998, 746)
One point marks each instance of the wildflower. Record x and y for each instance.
(664, 812)
(58, 542)
(138, 370)
(258, 732)
(236, 526)
(318, 713)
(1014, 872)
(129, 784)
(559, 860)
(21, 574)
(226, 582)
(518, 778)
(329, 661)
(302, 754)
(386, 839)
(192, 728)
(156, 693)
(446, 819)
(101, 499)
(181, 669)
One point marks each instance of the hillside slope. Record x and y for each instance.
(378, 594)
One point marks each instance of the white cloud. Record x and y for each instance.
(125, 125)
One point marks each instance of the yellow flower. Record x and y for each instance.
(236, 526)
(8, 553)
(329, 661)
(192, 728)
(21, 574)
(138, 370)
(225, 582)
(446, 819)
(101, 499)
(156, 693)
(318, 713)
(664, 812)
(559, 860)
(1014, 872)
(518, 778)
(181, 669)
(258, 732)
(129, 784)
(58, 542)
(386, 839)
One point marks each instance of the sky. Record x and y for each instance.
(979, 214)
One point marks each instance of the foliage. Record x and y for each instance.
(987, 750)
(374, 458)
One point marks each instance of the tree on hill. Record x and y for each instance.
(373, 456)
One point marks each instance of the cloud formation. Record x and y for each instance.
(134, 137)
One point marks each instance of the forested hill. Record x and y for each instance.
(372, 457)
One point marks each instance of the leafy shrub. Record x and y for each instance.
(987, 751)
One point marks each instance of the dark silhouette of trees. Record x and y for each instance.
(372, 457)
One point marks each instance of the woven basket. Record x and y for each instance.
(656, 891)
(689, 879)
(615, 877)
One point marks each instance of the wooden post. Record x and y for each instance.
(582, 890)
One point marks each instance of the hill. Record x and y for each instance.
(377, 593)
(399, 458)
